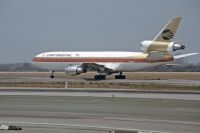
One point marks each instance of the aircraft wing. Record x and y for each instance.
(97, 67)
(184, 55)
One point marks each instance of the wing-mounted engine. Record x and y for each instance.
(148, 46)
(74, 70)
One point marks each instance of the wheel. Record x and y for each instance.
(120, 77)
(116, 76)
(103, 77)
(123, 77)
(96, 77)
(52, 76)
(99, 77)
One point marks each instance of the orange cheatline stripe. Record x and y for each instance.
(37, 59)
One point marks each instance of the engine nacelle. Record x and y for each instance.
(149, 46)
(145, 45)
(74, 70)
(175, 46)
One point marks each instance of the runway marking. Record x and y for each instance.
(79, 126)
(108, 94)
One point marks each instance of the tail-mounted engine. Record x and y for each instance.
(149, 46)
(159, 57)
(74, 70)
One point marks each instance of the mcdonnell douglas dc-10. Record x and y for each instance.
(155, 52)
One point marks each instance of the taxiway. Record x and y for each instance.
(99, 112)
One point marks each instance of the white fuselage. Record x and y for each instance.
(117, 61)
(156, 52)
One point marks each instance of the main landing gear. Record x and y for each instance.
(100, 77)
(52, 74)
(120, 76)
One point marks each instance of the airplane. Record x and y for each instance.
(158, 51)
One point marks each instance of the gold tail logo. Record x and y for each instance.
(167, 34)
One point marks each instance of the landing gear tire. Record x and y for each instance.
(99, 77)
(52, 75)
(120, 77)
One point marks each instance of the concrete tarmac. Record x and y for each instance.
(48, 80)
(99, 112)
(94, 92)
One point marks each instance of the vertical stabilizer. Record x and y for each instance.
(169, 31)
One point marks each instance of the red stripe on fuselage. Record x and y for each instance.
(86, 60)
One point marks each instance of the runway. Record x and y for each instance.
(175, 85)
(48, 80)
(94, 92)
(99, 112)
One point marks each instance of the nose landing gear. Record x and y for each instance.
(52, 74)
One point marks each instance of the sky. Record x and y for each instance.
(30, 27)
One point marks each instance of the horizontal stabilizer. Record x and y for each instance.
(170, 64)
(184, 55)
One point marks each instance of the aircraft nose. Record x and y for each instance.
(34, 59)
